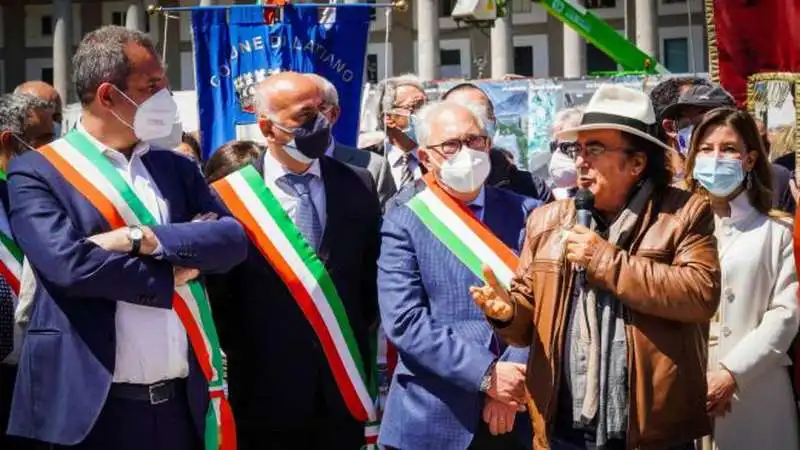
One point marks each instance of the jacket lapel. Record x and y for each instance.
(334, 208)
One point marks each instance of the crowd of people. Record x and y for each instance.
(420, 293)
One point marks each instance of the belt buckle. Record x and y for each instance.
(155, 398)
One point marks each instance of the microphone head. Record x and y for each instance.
(584, 199)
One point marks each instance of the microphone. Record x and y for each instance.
(584, 205)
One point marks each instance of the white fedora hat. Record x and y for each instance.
(616, 107)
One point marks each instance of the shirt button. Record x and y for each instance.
(726, 331)
(728, 231)
(729, 295)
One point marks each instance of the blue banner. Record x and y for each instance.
(235, 50)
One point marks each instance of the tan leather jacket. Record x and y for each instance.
(669, 279)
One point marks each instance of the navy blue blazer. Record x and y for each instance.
(68, 359)
(277, 372)
(443, 339)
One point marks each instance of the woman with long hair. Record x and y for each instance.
(750, 394)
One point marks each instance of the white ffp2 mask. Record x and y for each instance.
(154, 118)
(466, 171)
(563, 171)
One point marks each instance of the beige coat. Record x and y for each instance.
(756, 322)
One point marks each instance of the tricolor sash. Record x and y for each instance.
(83, 165)
(462, 233)
(10, 256)
(295, 261)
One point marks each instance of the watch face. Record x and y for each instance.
(136, 234)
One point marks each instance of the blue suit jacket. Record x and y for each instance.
(444, 341)
(68, 359)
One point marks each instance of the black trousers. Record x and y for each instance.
(324, 430)
(8, 376)
(137, 425)
(483, 440)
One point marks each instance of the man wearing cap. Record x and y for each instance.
(680, 118)
(616, 313)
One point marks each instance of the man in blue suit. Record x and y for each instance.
(457, 385)
(106, 363)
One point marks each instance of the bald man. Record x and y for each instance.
(47, 93)
(283, 391)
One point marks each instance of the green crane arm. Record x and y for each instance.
(603, 36)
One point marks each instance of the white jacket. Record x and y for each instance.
(756, 322)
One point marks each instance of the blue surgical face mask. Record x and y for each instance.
(684, 138)
(411, 129)
(719, 176)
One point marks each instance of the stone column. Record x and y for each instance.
(428, 58)
(134, 16)
(574, 53)
(647, 27)
(502, 45)
(62, 48)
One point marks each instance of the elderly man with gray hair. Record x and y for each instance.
(25, 122)
(456, 385)
(563, 173)
(398, 99)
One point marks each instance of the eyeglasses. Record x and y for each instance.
(410, 108)
(574, 149)
(452, 146)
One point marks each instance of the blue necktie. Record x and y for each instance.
(6, 319)
(306, 218)
(476, 209)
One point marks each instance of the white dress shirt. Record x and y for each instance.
(151, 342)
(331, 146)
(394, 156)
(273, 170)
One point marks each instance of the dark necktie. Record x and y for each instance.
(306, 218)
(406, 175)
(476, 209)
(6, 319)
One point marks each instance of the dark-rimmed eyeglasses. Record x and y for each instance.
(452, 146)
(593, 150)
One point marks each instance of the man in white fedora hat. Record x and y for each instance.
(616, 313)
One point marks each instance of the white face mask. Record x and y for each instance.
(466, 171)
(173, 139)
(154, 118)
(563, 171)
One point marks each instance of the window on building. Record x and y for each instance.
(372, 68)
(597, 61)
(523, 60)
(600, 3)
(676, 55)
(47, 25)
(446, 7)
(521, 6)
(47, 75)
(451, 63)
(118, 18)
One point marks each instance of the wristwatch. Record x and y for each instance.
(135, 235)
(486, 381)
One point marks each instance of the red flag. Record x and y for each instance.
(752, 36)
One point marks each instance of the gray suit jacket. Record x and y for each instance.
(373, 162)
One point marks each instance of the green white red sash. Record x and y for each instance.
(295, 261)
(83, 165)
(10, 257)
(462, 233)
